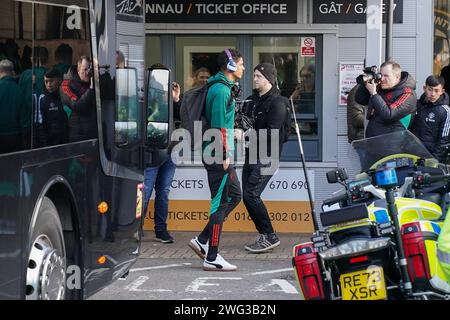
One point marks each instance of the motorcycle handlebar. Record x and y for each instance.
(336, 199)
(427, 178)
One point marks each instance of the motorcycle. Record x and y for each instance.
(380, 233)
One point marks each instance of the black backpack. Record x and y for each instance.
(192, 111)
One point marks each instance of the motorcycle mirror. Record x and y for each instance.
(337, 176)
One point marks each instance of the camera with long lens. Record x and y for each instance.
(370, 75)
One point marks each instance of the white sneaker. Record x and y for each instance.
(200, 249)
(220, 264)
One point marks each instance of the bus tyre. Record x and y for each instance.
(46, 270)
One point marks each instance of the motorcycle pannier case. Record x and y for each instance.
(307, 271)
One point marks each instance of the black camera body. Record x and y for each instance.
(370, 75)
(241, 120)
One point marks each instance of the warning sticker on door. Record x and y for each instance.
(308, 48)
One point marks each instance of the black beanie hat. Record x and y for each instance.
(268, 71)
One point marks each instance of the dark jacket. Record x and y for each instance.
(78, 96)
(355, 117)
(54, 119)
(12, 107)
(268, 112)
(432, 124)
(388, 107)
(445, 73)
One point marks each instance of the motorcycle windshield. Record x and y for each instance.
(374, 149)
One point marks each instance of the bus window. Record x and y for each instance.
(15, 88)
(127, 125)
(64, 96)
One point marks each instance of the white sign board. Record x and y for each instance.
(348, 72)
(287, 184)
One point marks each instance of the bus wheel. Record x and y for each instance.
(46, 272)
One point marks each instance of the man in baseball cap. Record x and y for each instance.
(270, 112)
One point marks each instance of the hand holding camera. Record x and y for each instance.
(370, 79)
(370, 75)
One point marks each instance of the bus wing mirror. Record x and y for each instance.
(158, 108)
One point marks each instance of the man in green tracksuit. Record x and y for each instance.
(12, 111)
(444, 247)
(222, 179)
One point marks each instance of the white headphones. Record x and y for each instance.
(231, 66)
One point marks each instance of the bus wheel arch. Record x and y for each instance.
(63, 198)
(46, 268)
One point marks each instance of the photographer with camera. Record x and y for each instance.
(77, 93)
(269, 111)
(390, 97)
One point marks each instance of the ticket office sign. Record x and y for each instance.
(286, 198)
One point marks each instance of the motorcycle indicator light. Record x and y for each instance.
(386, 178)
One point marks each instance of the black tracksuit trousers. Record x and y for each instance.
(253, 184)
(225, 196)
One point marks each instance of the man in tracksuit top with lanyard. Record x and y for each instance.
(222, 179)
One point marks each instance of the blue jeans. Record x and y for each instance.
(159, 178)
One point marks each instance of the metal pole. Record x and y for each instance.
(403, 264)
(389, 29)
(311, 204)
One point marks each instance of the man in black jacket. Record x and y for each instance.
(432, 121)
(77, 93)
(54, 119)
(269, 111)
(391, 103)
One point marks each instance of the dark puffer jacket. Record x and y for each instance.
(80, 98)
(388, 107)
(432, 124)
(355, 117)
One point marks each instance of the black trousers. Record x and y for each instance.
(253, 184)
(225, 196)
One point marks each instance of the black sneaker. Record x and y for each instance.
(265, 242)
(164, 237)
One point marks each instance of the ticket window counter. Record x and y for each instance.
(194, 59)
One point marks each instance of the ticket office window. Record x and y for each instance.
(298, 79)
(195, 59)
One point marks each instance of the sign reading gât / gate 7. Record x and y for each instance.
(350, 11)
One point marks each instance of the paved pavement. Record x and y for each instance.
(174, 272)
(231, 246)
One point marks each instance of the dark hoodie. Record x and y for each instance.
(432, 124)
(388, 107)
(80, 98)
